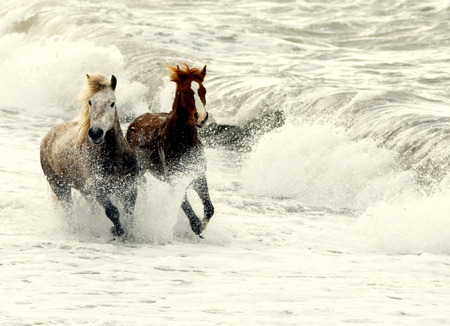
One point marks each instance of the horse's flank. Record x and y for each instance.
(60, 160)
(94, 83)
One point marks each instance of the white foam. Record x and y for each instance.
(416, 225)
(320, 165)
(157, 211)
(45, 75)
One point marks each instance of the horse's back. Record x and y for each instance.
(144, 128)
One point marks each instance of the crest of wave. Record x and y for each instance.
(45, 75)
(320, 165)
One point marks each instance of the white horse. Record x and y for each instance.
(91, 154)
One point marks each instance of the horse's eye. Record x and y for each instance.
(112, 104)
(90, 103)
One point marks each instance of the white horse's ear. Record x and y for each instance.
(87, 75)
(203, 72)
(113, 82)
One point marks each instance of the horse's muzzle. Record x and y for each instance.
(203, 122)
(96, 135)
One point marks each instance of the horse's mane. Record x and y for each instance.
(177, 74)
(94, 83)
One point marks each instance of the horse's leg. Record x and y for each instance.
(196, 224)
(200, 186)
(129, 201)
(62, 192)
(112, 213)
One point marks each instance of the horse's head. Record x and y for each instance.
(99, 112)
(102, 112)
(190, 99)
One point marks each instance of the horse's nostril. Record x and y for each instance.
(203, 122)
(95, 133)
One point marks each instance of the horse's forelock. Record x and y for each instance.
(178, 74)
(96, 82)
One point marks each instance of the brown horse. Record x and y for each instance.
(167, 144)
(91, 154)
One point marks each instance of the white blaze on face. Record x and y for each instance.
(201, 110)
(102, 111)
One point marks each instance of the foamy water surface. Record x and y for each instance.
(337, 216)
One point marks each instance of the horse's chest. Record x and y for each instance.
(114, 167)
(189, 159)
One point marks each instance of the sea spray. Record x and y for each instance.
(320, 165)
(43, 76)
(409, 226)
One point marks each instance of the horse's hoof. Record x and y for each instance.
(117, 231)
(205, 224)
(196, 226)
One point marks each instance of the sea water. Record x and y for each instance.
(336, 214)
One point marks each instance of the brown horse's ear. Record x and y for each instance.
(203, 72)
(113, 82)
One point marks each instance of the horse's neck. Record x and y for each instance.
(180, 132)
(111, 139)
(114, 138)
